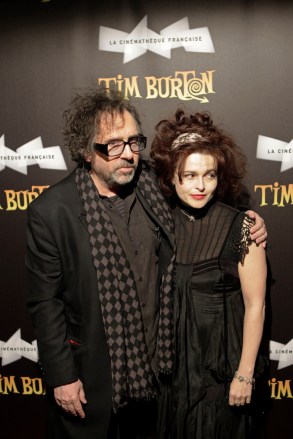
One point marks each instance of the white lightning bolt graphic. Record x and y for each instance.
(141, 39)
(275, 150)
(15, 348)
(283, 353)
(31, 153)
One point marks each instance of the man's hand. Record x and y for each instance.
(258, 232)
(70, 396)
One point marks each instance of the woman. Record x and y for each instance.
(220, 280)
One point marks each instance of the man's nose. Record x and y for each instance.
(127, 153)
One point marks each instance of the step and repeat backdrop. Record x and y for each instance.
(230, 58)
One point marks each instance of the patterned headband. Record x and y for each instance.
(185, 138)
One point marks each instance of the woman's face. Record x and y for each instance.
(199, 180)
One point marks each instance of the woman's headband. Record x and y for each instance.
(185, 138)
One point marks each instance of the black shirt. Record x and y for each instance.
(140, 240)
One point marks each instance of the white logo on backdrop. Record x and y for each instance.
(141, 39)
(31, 153)
(275, 150)
(283, 353)
(15, 348)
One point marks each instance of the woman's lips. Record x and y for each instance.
(198, 197)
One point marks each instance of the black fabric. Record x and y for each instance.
(63, 295)
(141, 241)
(130, 365)
(208, 344)
(146, 184)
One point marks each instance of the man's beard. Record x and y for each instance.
(118, 178)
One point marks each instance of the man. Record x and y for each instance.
(100, 259)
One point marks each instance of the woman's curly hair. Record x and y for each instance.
(82, 119)
(231, 162)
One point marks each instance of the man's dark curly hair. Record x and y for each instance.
(82, 119)
(231, 162)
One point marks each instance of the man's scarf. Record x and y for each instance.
(132, 377)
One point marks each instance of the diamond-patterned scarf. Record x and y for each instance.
(132, 376)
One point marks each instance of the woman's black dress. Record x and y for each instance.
(209, 310)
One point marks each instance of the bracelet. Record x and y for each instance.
(242, 379)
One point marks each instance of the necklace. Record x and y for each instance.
(191, 217)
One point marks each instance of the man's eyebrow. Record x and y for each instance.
(110, 139)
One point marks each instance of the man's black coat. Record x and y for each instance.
(65, 308)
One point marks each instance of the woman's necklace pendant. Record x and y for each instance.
(191, 217)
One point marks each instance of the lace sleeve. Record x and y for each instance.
(245, 240)
(237, 244)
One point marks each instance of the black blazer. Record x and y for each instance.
(64, 304)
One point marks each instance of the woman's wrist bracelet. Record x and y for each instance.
(243, 379)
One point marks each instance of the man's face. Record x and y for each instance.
(110, 173)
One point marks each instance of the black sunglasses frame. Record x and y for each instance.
(103, 147)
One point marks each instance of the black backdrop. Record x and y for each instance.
(231, 58)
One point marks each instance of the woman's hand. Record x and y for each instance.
(240, 392)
